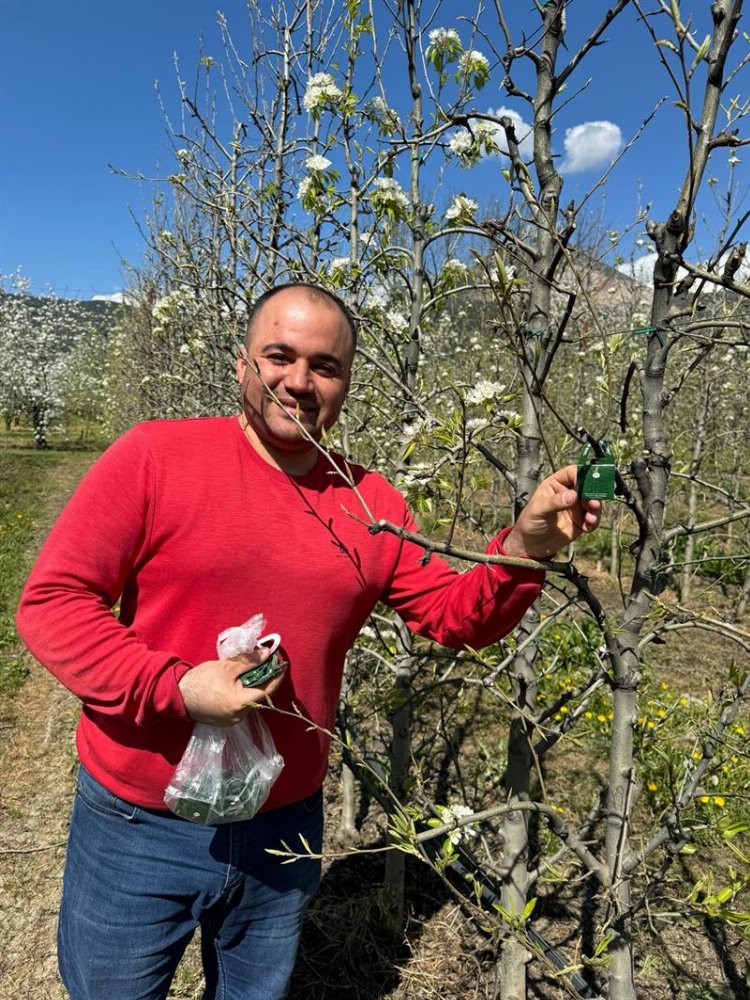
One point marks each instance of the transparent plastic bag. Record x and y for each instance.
(226, 772)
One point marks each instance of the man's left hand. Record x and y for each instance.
(553, 518)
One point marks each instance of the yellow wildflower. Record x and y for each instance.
(719, 801)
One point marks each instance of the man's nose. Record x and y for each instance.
(297, 377)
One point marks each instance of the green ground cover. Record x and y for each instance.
(29, 481)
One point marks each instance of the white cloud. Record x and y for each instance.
(590, 145)
(524, 133)
(640, 270)
(116, 297)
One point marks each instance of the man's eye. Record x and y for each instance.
(328, 371)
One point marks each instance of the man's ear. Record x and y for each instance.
(241, 363)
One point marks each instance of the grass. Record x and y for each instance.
(28, 481)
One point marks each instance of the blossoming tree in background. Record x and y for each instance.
(39, 340)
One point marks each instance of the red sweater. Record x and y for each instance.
(193, 532)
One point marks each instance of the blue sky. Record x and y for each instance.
(77, 84)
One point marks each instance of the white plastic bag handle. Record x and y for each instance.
(273, 638)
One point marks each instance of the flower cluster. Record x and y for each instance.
(397, 321)
(306, 191)
(317, 163)
(468, 145)
(390, 199)
(452, 814)
(444, 47)
(337, 265)
(321, 90)
(384, 117)
(445, 40)
(455, 267)
(461, 209)
(318, 182)
(475, 67)
(454, 273)
(484, 392)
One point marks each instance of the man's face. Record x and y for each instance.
(301, 348)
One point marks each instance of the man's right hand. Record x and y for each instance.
(213, 693)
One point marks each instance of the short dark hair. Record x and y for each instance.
(314, 292)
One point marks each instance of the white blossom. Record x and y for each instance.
(321, 90)
(452, 814)
(474, 63)
(397, 321)
(376, 298)
(455, 267)
(389, 196)
(511, 416)
(386, 117)
(444, 39)
(461, 208)
(484, 391)
(468, 145)
(339, 264)
(317, 162)
(304, 187)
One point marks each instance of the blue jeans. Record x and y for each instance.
(138, 882)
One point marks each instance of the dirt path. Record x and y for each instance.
(37, 775)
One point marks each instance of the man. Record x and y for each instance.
(196, 525)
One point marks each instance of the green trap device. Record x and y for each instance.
(596, 472)
(263, 672)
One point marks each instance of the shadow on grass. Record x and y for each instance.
(346, 952)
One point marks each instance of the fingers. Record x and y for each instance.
(564, 479)
(213, 693)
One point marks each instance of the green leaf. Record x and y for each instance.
(729, 828)
(603, 944)
(409, 449)
(701, 53)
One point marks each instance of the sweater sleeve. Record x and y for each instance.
(473, 609)
(65, 615)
